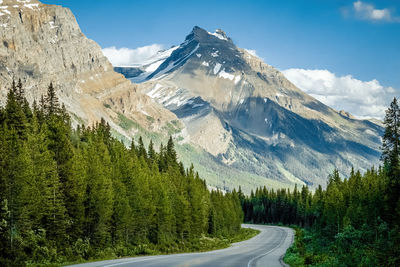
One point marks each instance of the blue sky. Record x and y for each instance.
(361, 39)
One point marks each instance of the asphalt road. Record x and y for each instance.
(265, 249)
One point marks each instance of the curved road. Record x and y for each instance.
(265, 249)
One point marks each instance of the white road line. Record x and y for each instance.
(269, 251)
(127, 262)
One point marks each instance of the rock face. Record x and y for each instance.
(43, 43)
(251, 118)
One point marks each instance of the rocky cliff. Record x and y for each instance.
(43, 43)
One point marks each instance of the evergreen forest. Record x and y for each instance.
(73, 194)
(354, 221)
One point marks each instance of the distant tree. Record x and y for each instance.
(151, 153)
(171, 153)
(390, 156)
(20, 92)
(14, 115)
(141, 149)
(391, 138)
(51, 103)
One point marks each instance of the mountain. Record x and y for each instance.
(239, 120)
(140, 72)
(43, 43)
(250, 118)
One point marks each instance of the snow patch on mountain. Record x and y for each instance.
(215, 54)
(175, 63)
(219, 34)
(217, 68)
(154, 90)
(229, 76)
(237, 79)
(225, 75)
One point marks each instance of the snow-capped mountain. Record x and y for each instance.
(238, 119)
(140, 72)
(249, 117)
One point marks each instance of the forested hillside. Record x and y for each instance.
(71, 194)
(353, 222)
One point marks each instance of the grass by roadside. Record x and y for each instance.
(295, 254)
(201, 244)
(308, 250)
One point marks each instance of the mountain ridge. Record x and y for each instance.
(245, 112)
(238, 119)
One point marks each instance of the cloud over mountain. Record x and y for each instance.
(364, 99)
(130, 57)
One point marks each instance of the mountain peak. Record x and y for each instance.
(220, 34)
(197, 29)
(197, 33)
(201, 34)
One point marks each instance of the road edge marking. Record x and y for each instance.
(266, 253)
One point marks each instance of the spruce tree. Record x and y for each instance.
(391, 138)
(14, 115)
(390, 157)
(20, 92)
(152, 153)
(141, 149)
(51, 103)
(99, 193)
(171, 153)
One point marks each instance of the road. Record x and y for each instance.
(265, 249)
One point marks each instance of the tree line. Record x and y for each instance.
(354, 221)
(71, 194)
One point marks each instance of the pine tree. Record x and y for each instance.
(39, 191)
(74, 188)
(122, 214)
(151, 153)
(20, 92)
(51, 104)
(390, 157)
(165, 221)
(14, 115)
(99, 193)
(141, 149)
(391, 138)
(198, 203)
(4, 230)
(171, 153)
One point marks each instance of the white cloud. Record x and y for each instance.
(130, 57)
(252, 52)
(367, 11)
(362, 99)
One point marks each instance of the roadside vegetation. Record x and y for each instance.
(73, 195)
(355, 221)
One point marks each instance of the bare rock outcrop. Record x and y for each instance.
(43, 43)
